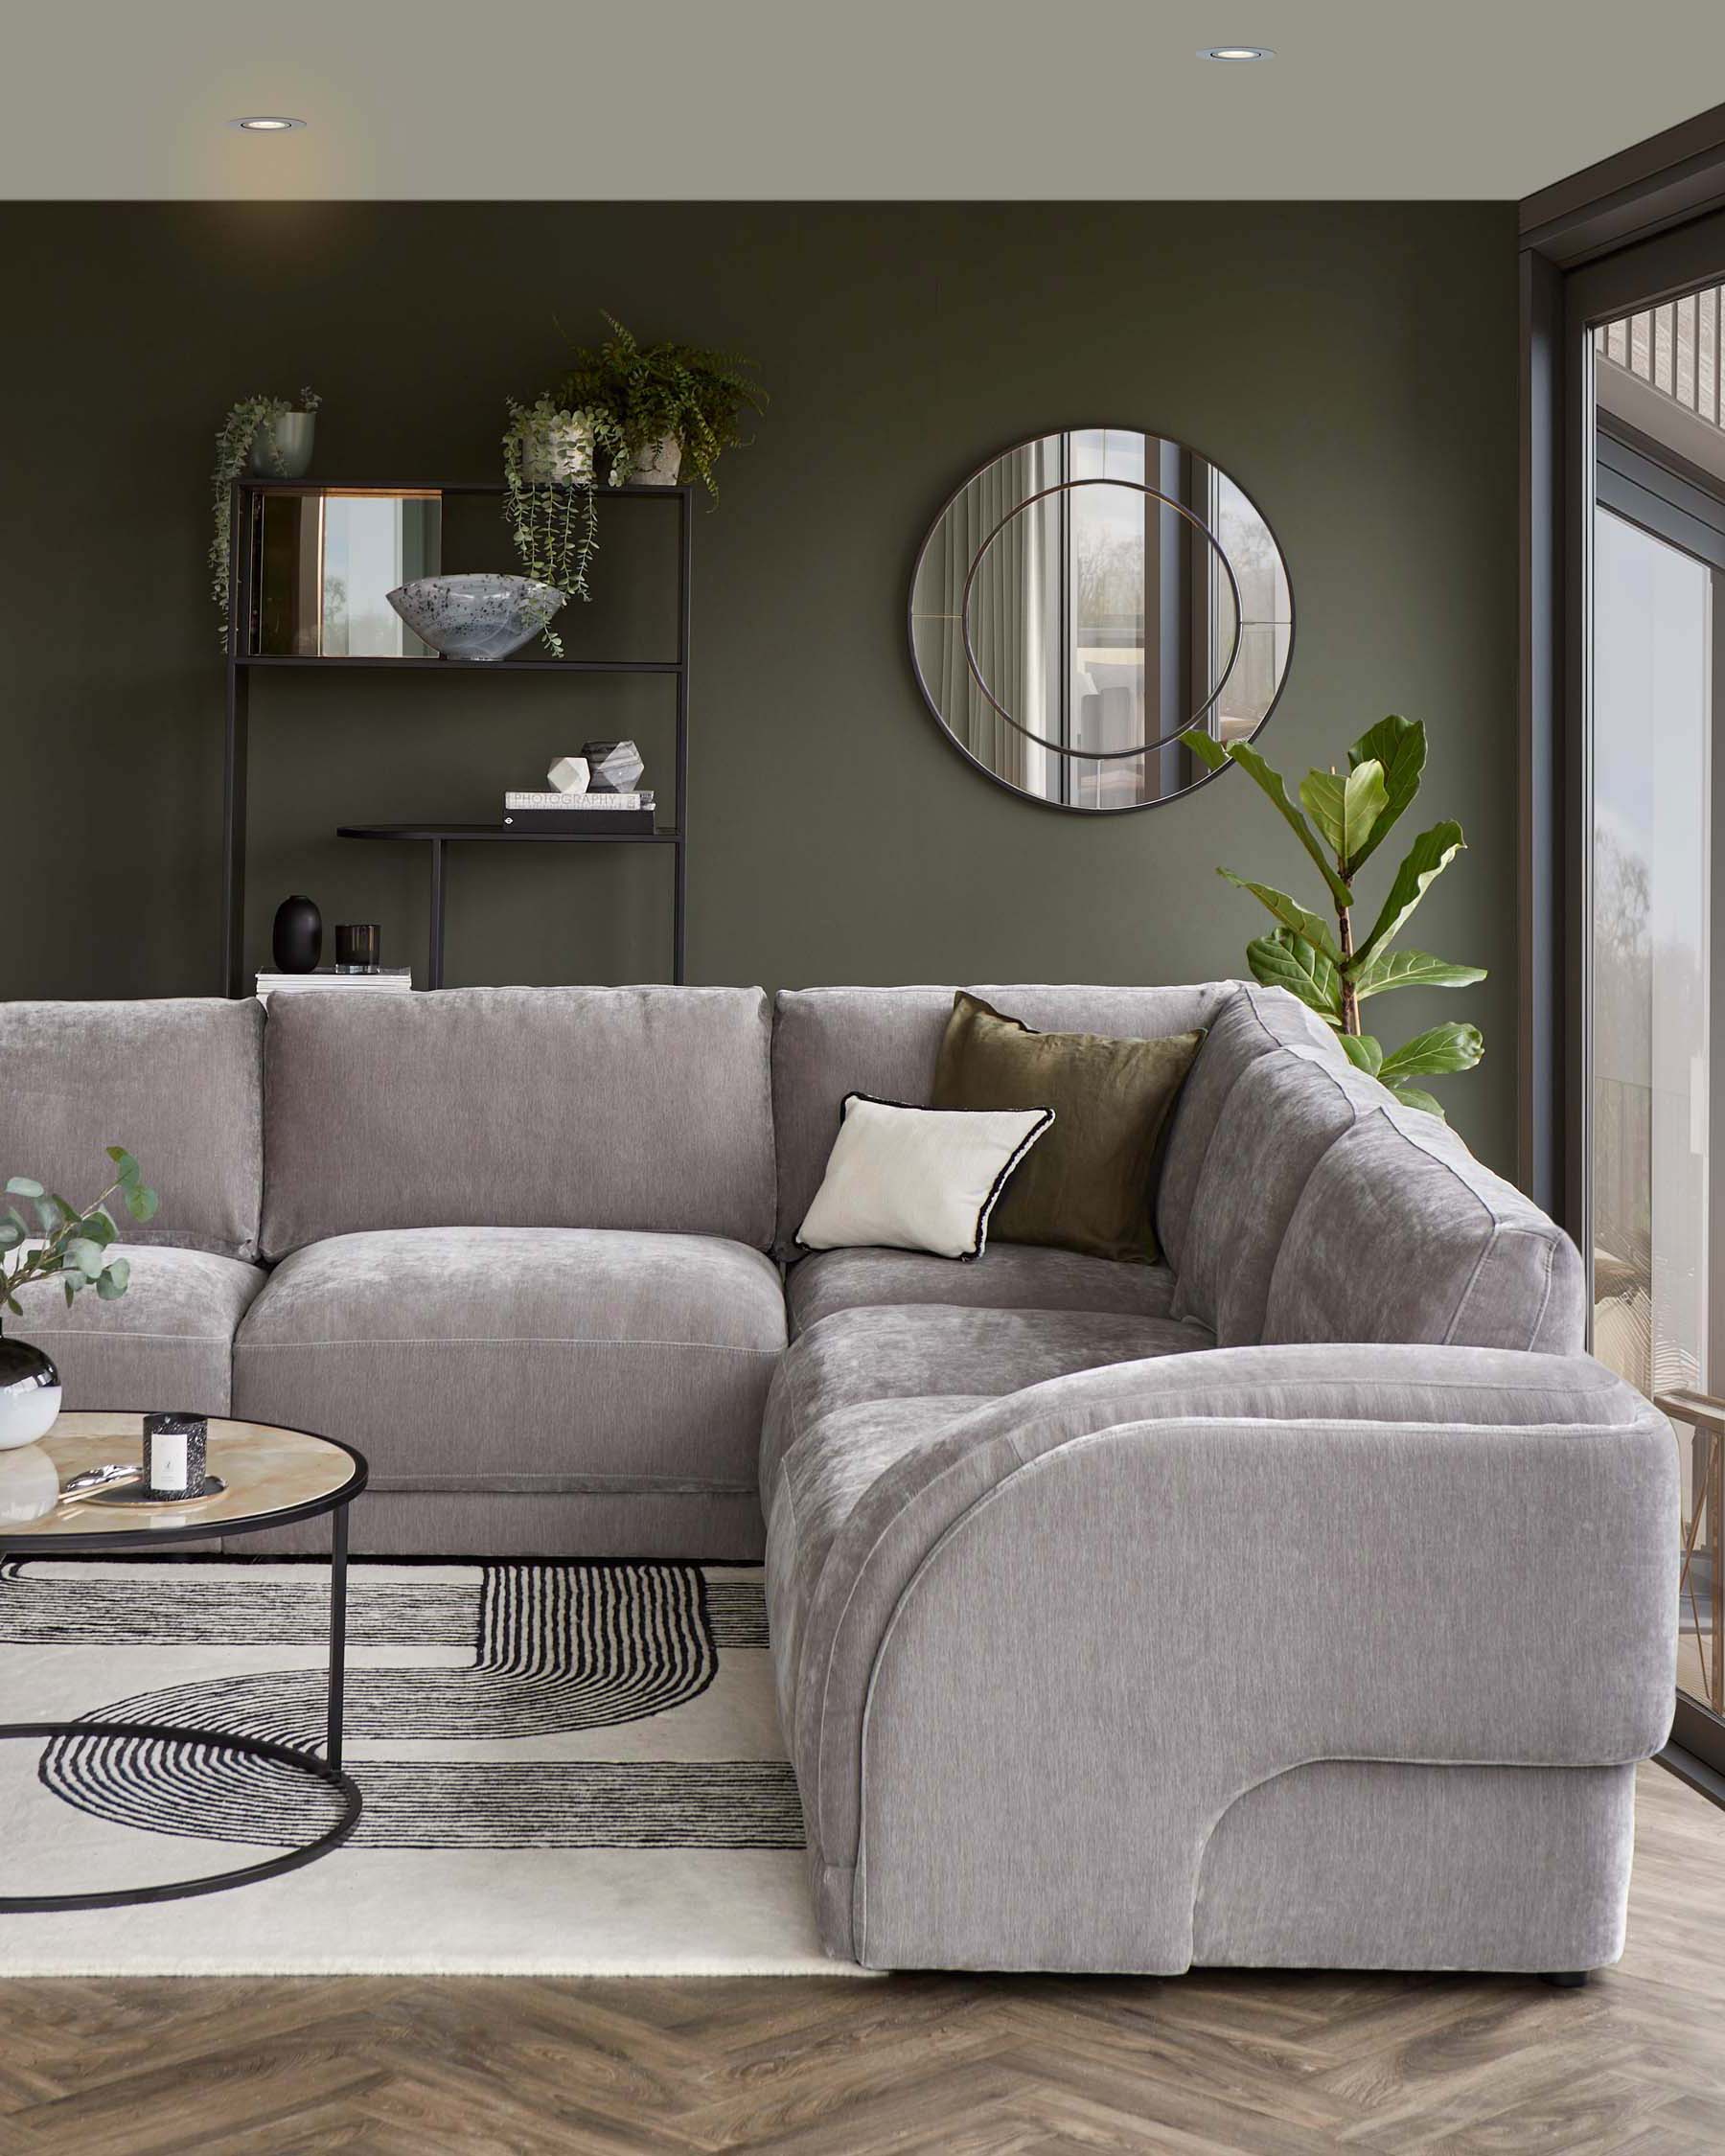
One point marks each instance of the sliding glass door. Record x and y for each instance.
(1656, 1091)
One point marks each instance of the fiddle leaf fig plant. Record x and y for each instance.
(1341, 819)
(69, 1243)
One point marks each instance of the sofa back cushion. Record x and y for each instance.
(638, 1108)
(1284, 1112)
(1400, 1234)
(179, 1081)
(1251, 1023)
(830, 1041)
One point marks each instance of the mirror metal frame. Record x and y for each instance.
(1006, 786)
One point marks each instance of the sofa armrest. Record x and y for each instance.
(1066, 1637)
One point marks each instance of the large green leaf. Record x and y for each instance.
(1410, 1097)
(1285, 960)
(1345, 809)
(1290, 914)
(114, 1278)
(1206, 747)
(1429, 856)
(1363, 1052)
(1400, 745)
(25, 1186)
(1439, 1048)
(1241, 752)
(1412, 969)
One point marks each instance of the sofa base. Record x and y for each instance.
(718, 1526)
(1366, 1866)
(1361, 1866)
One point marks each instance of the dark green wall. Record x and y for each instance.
(1353, 365)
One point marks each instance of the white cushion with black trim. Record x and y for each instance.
(917, 1178)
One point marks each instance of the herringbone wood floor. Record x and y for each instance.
(919, 2066)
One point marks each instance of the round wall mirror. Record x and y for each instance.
(1086, 598)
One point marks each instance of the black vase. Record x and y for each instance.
(297, 942)
(29, 1393)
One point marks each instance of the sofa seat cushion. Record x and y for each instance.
(592, 1360)
(935, 1352)
(166, 1345)
(1006, 1276)
(865, 1389)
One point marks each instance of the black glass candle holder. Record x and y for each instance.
(358, 947)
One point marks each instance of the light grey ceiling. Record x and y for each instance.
(836, 99)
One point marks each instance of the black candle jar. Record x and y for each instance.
(174, 1454)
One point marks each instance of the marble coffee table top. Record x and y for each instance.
(267, 1472)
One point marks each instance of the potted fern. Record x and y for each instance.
(1333, 971)
(667, 404)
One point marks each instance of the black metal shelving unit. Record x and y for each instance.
(243, 661)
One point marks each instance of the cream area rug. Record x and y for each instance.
(567, 1768)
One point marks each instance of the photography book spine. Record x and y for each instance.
(559, 821)
(579, 804)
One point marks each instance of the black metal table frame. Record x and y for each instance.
(326, 1768)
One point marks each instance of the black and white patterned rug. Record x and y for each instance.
(567, 1768)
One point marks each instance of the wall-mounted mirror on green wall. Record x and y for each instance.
(1086, 598)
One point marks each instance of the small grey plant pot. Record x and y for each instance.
(281, 448)
(659, 464)
(29, 1393)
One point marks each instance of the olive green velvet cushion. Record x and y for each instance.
(1090, 1184)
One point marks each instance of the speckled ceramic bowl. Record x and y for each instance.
(476, 618)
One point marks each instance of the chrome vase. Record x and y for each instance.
(29, 1393)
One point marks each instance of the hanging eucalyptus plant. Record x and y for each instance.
(549, 451)
(251, 417)
(1328, 972)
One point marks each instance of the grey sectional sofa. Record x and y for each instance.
(1305, 1601)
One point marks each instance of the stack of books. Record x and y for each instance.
(388, 980)
(581, 813)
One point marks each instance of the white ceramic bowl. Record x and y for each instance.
(483, 616)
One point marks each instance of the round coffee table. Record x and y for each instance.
(271, 1477)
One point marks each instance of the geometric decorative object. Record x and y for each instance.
(296, 941)
(613, 766)
(476, 618)
(569, 774)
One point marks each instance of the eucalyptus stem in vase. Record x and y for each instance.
(70, 1244)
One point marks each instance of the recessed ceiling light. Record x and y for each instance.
(264, 123)
(1237, 52)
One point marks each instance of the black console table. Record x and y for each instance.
(244, 659)
(439, 835)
